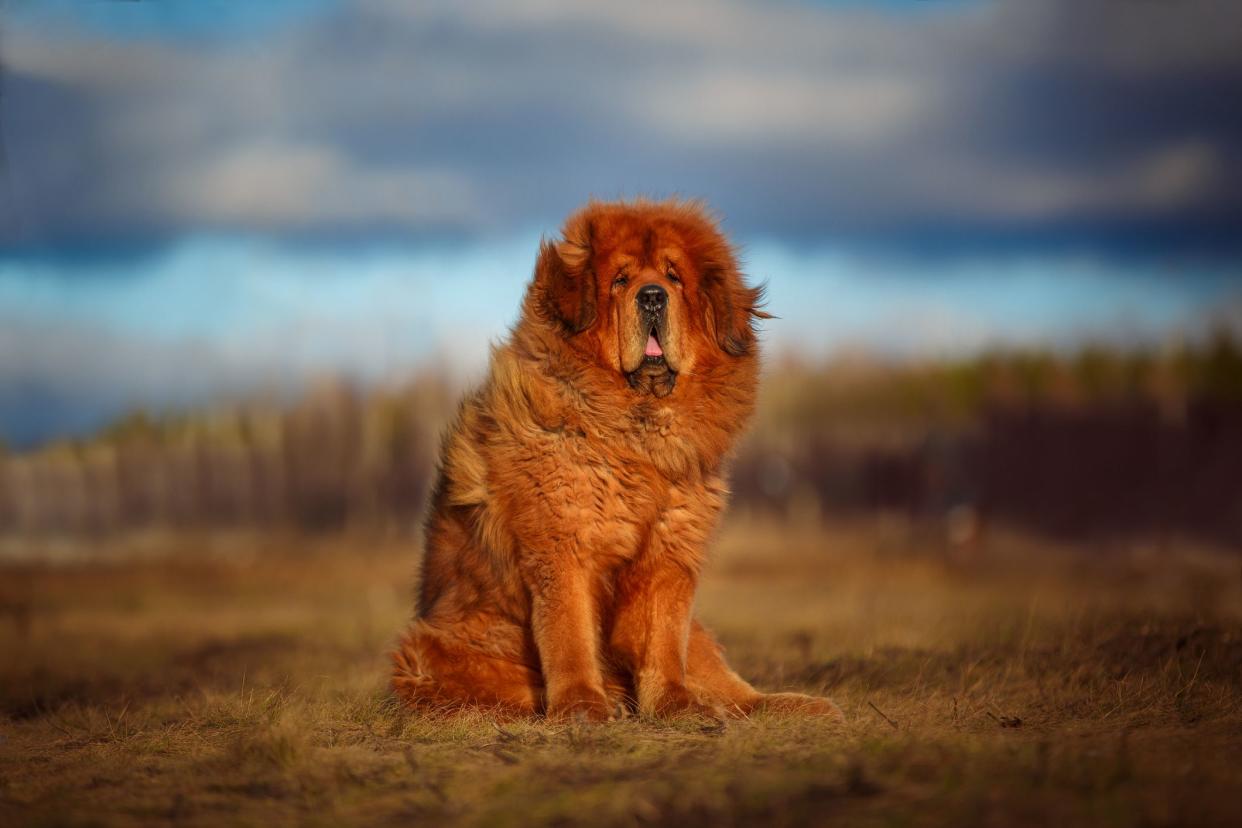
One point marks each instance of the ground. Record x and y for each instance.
(240, 679)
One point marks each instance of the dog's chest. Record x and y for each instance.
(630, 497)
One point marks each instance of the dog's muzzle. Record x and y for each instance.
(652, 311)
(654, 372)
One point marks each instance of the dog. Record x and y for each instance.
(579, 486)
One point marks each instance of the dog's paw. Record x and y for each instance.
(580, 702)
(675, 700)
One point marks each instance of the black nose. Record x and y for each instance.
(652, 298)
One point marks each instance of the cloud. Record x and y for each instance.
(1104, 121)
(752, 108)
(290, 185)
(84, 340)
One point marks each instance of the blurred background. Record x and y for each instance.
(250, 253)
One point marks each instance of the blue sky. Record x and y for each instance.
(208, 198)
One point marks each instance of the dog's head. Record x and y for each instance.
(651, 290)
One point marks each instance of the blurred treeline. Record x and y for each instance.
(337, 457)
(1099, 442)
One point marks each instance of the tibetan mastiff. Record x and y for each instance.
(579, 487)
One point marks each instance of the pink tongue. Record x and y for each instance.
(653, 346)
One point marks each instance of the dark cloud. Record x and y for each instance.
(1113, 123)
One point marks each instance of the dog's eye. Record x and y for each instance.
(673, 277)
(621, 281)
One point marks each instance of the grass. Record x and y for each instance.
(241, 680)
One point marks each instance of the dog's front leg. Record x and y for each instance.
(563, 622)
(650, 631)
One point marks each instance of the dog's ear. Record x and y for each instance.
(565, 275)
(733, 305)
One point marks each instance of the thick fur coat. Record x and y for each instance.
(579, 487)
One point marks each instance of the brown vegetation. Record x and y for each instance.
(1091, 444)
(240, 678)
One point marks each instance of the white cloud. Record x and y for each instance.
(266, 185)
(729, 106)
(227, 317)
(1167, 179)
(500, 114)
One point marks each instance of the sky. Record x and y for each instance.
(207, 198)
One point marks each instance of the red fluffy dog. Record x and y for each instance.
(579, 487)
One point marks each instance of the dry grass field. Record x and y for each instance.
(240, 679)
